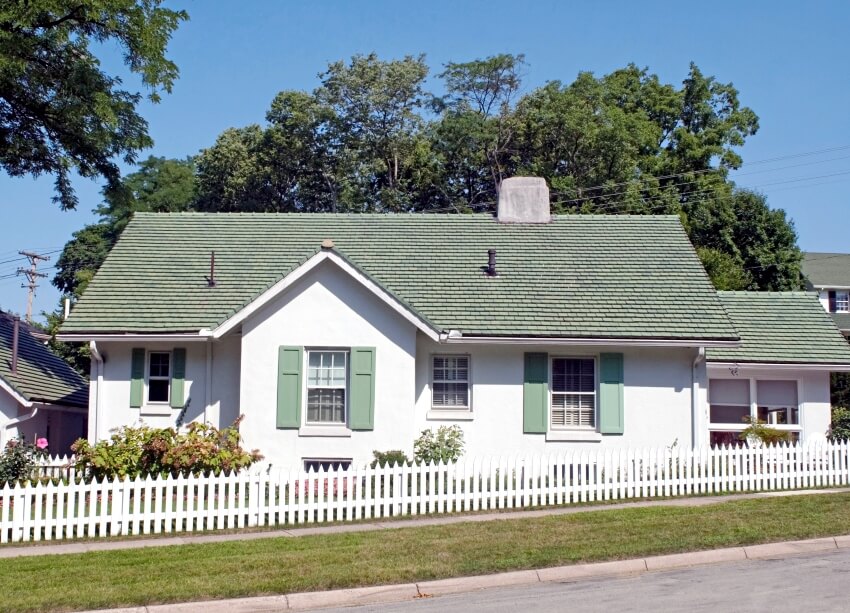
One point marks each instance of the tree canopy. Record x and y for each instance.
(59, 111)
(372, 138)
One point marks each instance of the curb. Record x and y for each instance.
(383, 594)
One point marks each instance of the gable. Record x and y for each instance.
(592, 276)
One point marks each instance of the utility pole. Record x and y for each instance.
(31, 275)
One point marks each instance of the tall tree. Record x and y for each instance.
(475, 134)
(59, 112)
(375, 128)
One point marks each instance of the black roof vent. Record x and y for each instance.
(491, 263)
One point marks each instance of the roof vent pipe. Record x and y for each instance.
(211, 278)
(16, 328)
(491, 262)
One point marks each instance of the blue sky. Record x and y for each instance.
(788, 60)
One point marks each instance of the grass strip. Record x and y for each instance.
(281, 565)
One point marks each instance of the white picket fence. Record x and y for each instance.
(56, 467)
(65, 509)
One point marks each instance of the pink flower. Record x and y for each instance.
(41, 443)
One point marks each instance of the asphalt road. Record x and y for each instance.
(816, 582)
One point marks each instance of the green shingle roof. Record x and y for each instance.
(827, 269)
(41, 376)
(781, 327)
(578, 276)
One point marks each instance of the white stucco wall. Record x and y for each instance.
(657, 397)
(823, 296)
(813, 389)
(217, 403)
(327, 309)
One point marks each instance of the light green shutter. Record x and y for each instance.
(535, 393)
(611, 418)
(289, 365)
(137, 377)
(362, 386)
(178, 376)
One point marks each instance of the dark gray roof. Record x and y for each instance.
(825, 270)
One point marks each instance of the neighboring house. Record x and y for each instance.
(40, 395)
(829, 275)
(337, 335)
(780, 373)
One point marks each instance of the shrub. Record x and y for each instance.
(839, 428)
(757, 432)
(445, 446)
(142, 450)
(394, 457)
(19, 460)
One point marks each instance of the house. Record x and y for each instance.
(40, 395)
(829, 275)
(336, 335)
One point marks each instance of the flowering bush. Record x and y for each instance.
(444, 446)
(19, 459)
(140, 451)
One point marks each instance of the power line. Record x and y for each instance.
(710, 170)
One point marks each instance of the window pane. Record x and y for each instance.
(572, 375)
(727, 414)
(573, 410)
(326, 405)
(451, 395)
(777, 393)
(158, 390)
(724, 438)
(326, 369)
(729, 391)
(159, 363)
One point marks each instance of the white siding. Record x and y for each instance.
(657, 397)
(327, 309)
(220, 408)
(813, 391)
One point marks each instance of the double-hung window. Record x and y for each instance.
(573, 393)
(842, 302)
(327, 387)
(159, 376)
(450, 382)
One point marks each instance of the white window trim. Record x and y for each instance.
(754, 404)
(317, 428)
(158, 403)
(457, 413)
(845, 299)
(552, 431)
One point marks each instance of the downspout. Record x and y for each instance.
(97, 366)
(208, 383)
(696, 418)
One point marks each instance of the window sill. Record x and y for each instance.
(156, 410)
(450, 415)
(331, 431)
(574, 435)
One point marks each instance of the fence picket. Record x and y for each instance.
(152, 505)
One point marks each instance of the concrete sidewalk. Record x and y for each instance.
(428, 589)
(39, 549)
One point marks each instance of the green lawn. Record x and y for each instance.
(280, 565)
